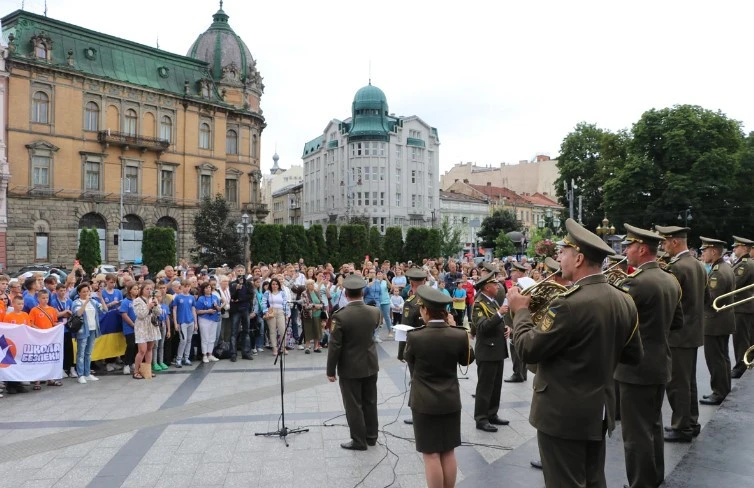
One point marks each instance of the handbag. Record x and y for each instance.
(154, 318)
(75, 323)
(269, 315)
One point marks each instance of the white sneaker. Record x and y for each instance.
(74, 374)
(91, 377)
(300, 347)
(126, 370)
(213, 358)
(205, 359)
(82, 380)
(110, 367)
(377, 339)
(253, 350)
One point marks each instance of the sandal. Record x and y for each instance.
(137, 376)
(54, 383)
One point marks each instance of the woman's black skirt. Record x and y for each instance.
(437, 433)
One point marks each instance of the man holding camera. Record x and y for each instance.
(241, 294)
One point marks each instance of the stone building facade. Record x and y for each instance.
(535, 176)
(107, 133)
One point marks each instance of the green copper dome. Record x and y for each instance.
(370, 97)
(370, 115)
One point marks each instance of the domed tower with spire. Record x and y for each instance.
(275, 168)
(231, 64)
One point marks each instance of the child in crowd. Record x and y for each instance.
(43, 316)
(17, 316)
(62, 305)
(396, 306)
(158, 353)
(184, 315)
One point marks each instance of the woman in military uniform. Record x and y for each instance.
(432, 353)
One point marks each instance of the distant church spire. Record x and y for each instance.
(275, 158)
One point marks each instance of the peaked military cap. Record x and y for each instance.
(489, 267)
(587, 243)
(432, 298)
(740, 241)
(416, 274)
(519, 267)
(552, 265)
(488, 278)
(708, 242)
(642, 236)
(672, 231)
(354, 282)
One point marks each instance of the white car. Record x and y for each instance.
(107, 268)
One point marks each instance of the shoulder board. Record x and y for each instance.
(459, 327)
(623, 287)
(666, 269)
(338, 310)
(569, 291)
(416, 328)
(636, 272)
(744, 260)
(716, 267)
(410, 298)
(674, 259)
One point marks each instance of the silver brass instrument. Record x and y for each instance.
(733, 303)
(615, 274)
(749, 362)
(542, 294)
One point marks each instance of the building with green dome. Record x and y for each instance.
(373, 165)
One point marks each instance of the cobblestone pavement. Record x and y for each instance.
(196, 427)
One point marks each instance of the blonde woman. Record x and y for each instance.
(145, 333)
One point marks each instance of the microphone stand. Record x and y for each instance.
(283, 431)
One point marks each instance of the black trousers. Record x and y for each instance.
(643, 437)
(488, 386)
(519, 367)
(742, 338)
(717, 355)
(572, 463)
(240, 323)
(682, 392)
(360, 401)
(68, 360)
(401, 349)
(130, 355)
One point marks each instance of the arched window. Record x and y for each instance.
(254, 146)
(131, 119)
(204, 135)
(91, 117)
(231, 142)
(40, 107)
(166, 128)
(96, 221)
(132, 235)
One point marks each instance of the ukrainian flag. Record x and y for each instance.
(111, 343)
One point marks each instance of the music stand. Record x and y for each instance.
(283, 431)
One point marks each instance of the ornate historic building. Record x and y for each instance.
(107, 133)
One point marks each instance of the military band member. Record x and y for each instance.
(518, 278)
(433, 353)
(411, 314)
(488, 327)
(353, 352)
(657, 296)
(743, 270)
(684, 342)
(718, 326)
(585, 333)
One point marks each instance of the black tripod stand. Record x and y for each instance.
(283, 431)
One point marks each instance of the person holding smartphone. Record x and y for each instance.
(241, 295)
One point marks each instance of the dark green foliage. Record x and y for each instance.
(215, 234)
(333, 245)
(295, 244)
(500, 220)
(504, 246)
(450, 239)
(393, 245)
(88, 253)
(416, 244)
(266, 243)
(433, 244)
(375, 243)
(353, 243)
(317, 245)
(158, 248)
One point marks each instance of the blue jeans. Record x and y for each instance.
(84, 345)
(294, 322)
(259, 341)
(385, 309)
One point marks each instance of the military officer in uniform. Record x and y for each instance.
(718, 326)
(411, 315)
(585, 333)
(743, 270)
(352, 351)
(433, 353)
(657, 296)
(488, 327)
(518, 278)
(684, 342)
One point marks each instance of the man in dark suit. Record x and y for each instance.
(684, 342)
(576, 347)
(490, 350)
(743, 270)
(718, 326)
(352, 351)
(657, 296)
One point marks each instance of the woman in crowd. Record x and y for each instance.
(208, 313)
(256, 310)
(144, 332)
(311, 305)
(276, 312)
(89, 310)
(384, 301)
(129, 322)
(399, 279)
(158, 348)
(223, 293)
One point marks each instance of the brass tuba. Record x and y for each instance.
(542, 294)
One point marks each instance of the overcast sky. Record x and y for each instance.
(501, 80)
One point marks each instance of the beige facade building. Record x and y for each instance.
(278, 179)
(535, 176)
(106, 133)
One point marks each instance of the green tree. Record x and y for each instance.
(375, 243)
(500, 220)
(393, 244)
(359, 221)
(215, 234)
(88, 254)
(433, 244)
(158, 248)
(295, 243)
(333, 245)
(450, 237)
(317, 246)
(353, 243)
(743, 204)
(504, 245)
(266, 243)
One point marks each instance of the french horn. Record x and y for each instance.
(615, 274)
(542, 294)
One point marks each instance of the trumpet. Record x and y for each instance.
(749, 362)
(734, 303)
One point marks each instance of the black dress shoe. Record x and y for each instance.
(248, 357)
(473, 395)
(408, 421)
(514, 378)
(233, 359)
(736, 373)
(371, 442)
(536, 463)
(696, 430)
(486, 426)
(677, 436)
(711, 400)
(499, 421)
(353, 447)
(706, 396)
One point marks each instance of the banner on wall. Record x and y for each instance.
(29, 354)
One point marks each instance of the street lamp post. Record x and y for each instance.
(244, 230)
(605, 230)
(686, 216)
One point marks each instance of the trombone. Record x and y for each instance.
(733, 303)
(749, 363)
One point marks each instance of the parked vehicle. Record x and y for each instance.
(47, 269)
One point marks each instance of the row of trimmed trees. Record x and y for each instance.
(158, 248)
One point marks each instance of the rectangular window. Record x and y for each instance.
(397, 199)
(374, 198)
(40, 169)
(231, 190)
(358, 149)
(205, 186)
(91, 176)
(367, 173)
(398, 153)
(382, 199)
(413, 176)
(358, 199)
(382, 149)
(413, 153)
(374, 173)
(41, 249)
(366, 149)
(166, 183)
(131, 180)
(382, 173)
(413, 201)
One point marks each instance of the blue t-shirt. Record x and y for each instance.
(207, 303)
(108, 297)
(127, 306)
(183, 305)
(165, 313)
(30, 301)
(446, 292)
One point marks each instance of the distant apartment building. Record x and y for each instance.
(535, 176)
